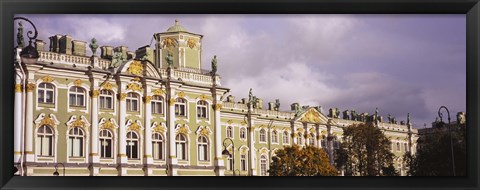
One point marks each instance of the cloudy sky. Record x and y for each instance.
(398, 63)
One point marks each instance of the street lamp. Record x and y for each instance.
(29, 54)
(56, 171)
(225, 152)
(450, 133)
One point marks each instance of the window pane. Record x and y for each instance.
(49, 96)
(72, 99)
(41, 96)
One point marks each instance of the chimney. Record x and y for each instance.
(230, 98)
(271, 106)
(54, 43)
(79, 48)
(65, 45)
(106, 52)
(130, 55)
(244, 100)
(259, 103)
(142, 51)
(294, 106)
(122, 49)
(40, 45)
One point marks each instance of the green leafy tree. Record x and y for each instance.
(434, 157)
(297, 161)
(365, 151)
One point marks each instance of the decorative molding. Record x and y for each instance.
(181, 94)
(169, 42)
(217, 107)
(229, 121)
(135, 68)
(94, 93)
(18, 88)
(159, 128)
(77, 82)
(108, 124)
(47, 78)
(134, 87)
(122, 96)
(158, 92)
(134, 126)
(136, 79)
(311, 116)
(191, 43)
(203, 130)
(107, 86)
(51, 120)
(78, 122)
(172, 102)
(203, 97)
(31, 87)
(147, 99)
(182, 129)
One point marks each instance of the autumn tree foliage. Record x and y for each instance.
(297, 161)
(365, 151)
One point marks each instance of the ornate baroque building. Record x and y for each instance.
(155, 112)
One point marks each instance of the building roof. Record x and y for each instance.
(176, 28)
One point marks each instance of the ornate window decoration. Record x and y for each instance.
(323, 142)
(229, 165)
(311, 140)
(133, 148)
(181, 145)
(263, 135)
(45, 141)
(132, 102)
(274, 136)
(398, 146)
(286, 138)
(106, 143)
(203, 150)
(157, 104)
(46, 93)
(158, 146)
(181, 107)
(77, 96)
(300, 138)
(229, 132)
(76, 141)
(202, 109)
(106, 99)
(243, 133)
(406, 147)
(243, 158)
(263, 165)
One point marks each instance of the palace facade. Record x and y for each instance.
(156, 112)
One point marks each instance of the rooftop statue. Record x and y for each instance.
(169, 59)
(214, 64)
(337, 113)
(20, 41)
(389, 117)
(93, 46)
(277, 105)
(408, 118)
(116, 59)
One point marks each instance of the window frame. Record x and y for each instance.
(157, 101)
(206, 151)
(104, 97)
(179, 103)
(131, 148)
(286, 138)
(229, 132)
(274, 137)
(243, 132)
(45, 89)
(262, 136)
(71, 145)
(103, 149)
(263, 165)
(184, 147)
(40, 149)
(202, 107)
(74, 91)
(161, 141)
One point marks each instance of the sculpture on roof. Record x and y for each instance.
(277, 105)
(408, 119)
(169, 59)
(337, 112)
(116, 59)
(389, 117)
(346, 115)
(214, 64)
(353, 115)
(20, 41)
(93, 46)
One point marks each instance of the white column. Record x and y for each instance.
(330, 143)
(252, 147)
(305, 134)
(17, 122)
(318, 135)
(94, 157)
(122, 135)
(218, 139)
(29, 126)
(172, 157)
(147, 158)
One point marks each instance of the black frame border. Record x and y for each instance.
(8, 8)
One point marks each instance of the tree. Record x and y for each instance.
(434, 157)
(365, 151)
(297, 161)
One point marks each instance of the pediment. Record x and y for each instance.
(136, 67)
(311, 115)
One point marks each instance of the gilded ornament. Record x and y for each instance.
(181, 94)
(244, 151)
(172, 101)
(191, 43)
(230, 122)
(158, 92)
(147, 99)
(18, 88)
(107, 86)
(108, 125)
(47, 121)
(136, 79)
(134, 127)
(300, 130)
(47, 79)
(183, 130)
(203, 97)
(243, 123)
(264, 151)
(31, 87)
(311, 117)
(95, 93)
(77, 82)
(78, 123)
(217, 107)
(204, 132)
(122, 96)
(159, 129)
(135, 68)
(134, 87)
(169, 42)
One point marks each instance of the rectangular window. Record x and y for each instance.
(157, 107)
(201, 112)
(106, 150)
(243, 162)
(180, 110)
(106, 102)
(157, 150)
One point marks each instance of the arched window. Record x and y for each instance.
(77, 96)
(243, 133)
(202, 148)
(398, 146)
(229, 132)
(75, 142)
(45, 141)
(46, 93)
(106, 99)
(262, 135)
(230, 162)
(181, 143)
(243, 162)
(157, 104)
(274, 137)
(132, 102)
(202, 109)
(157, 146)
(405, 147)
(300, 138)
(263, 165)
(180, 107)
(323, 142)
(311, 140)
(286, 138)
(132, 145)
(336, 143)
(106, 146)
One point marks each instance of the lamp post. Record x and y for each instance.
(29, 53)
(225, 152)
(450, 133)
(56, 171)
